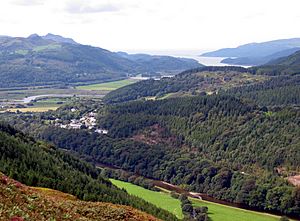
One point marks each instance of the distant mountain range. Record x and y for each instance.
(257, 53)
(53, 59)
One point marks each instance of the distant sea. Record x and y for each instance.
(194, 54)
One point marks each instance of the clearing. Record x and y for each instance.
(160, 199)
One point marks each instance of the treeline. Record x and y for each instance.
(40, 164)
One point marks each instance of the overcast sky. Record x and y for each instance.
(154, 24)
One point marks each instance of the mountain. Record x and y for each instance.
(157, 63)
(39, 164)
(47, 204)
(286, 65)
(254, 61)
(256, 49)
(59, 39)
(50, 60)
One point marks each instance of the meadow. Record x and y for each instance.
(108, 86)
(160, 199)
(216, 212)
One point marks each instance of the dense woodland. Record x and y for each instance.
(278, 91)
(40, 164)
(219, 145)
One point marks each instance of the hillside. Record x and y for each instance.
(256, 49)
(40, 164)
(157, 63)
(285, 65)
(45, 204)
(254, 61)
(206, 80)
(52, 59)
(218, 145)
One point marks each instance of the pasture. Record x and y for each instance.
(108, 86)
(216, 212)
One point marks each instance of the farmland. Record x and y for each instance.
(109, 86)
(216, 212)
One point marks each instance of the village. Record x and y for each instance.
(87, 121)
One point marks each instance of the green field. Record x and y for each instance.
(109, 86)
(160, 199)
(216, 212)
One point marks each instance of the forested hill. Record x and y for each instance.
(40, 164)
(52, 59)
(286, 65)
(205, 80)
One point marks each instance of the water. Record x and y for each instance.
(193, 54)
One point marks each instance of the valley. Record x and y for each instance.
(149, 110)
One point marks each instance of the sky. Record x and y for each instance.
(154, 25)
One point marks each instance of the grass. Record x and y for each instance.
(109, 86)
(160, 199)
(217, 212)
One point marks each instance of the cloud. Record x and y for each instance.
(28, 2)
(85, 7)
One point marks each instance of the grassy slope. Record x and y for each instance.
(109, 86)
(26, 203)
(217, 212)
(160, 199)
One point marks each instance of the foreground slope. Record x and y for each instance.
(20, 202)
(39, 164)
